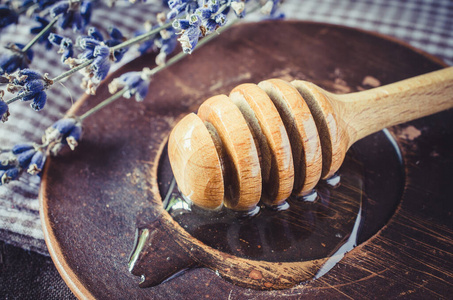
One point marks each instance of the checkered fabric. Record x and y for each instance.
(425, 24)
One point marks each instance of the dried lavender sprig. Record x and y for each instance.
(56, 79)
(155, 70)
(127, 43)
(40, 34)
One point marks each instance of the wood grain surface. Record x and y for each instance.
(92, 200)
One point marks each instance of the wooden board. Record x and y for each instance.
(93, 199)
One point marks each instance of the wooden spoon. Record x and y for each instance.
(290, 124)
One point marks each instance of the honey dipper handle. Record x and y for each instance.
(369, 111)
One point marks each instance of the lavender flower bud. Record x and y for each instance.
(74, 136)
(26, 75)
(213, 5)
(55, 39)
(211, 25)
(24, 158)
(10, 174)
(39, 101)
(58, 9)
(100, 66)
(4, 111)
(7, 164)
(95, 34)
(181, 24)
(173, 3)
(32, 90)
(19, 148)
(195, 20)
(34, 86)
(204, 13)
(37, 163)
(221, 19)
(86, 9)
(116, 34)
(7, 16)
(65, 125)
(88, 43)
(137, 84)
(58, 130)
(17, 60)
(66, 49)
(189, 39)
(45, 3)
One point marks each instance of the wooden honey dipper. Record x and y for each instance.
(266, 141)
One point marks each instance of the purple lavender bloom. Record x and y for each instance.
(100, 67)
(6, 164)
(146, 46)
(101, 63)
(19, 148)
(74, 136)
(37, 163)
(204, 13)
(34, 86)
(55, 39)
(24, 158)
(66, 49)
(221, 19)
(195, 20)
(16, 60)
(26, 75)
(7, 16)
(179, 6)
(86, 10)
(137, 84)
(213, 5)
(34, 90)
(211, 25)
(119, 53)
(39, 101)
(45, 3)
(189, 39)
(116, 34)
(4, 111)
(45, 37)
(64, 131)
(116, 38)
(73, 14)
(95, 34)
(60, 8)
(63, 126)
(10, 174)
(65, 46)
(181, 24)
(88, 43)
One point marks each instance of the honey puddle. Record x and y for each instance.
(343, 212)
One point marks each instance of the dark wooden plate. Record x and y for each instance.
(93, 199)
